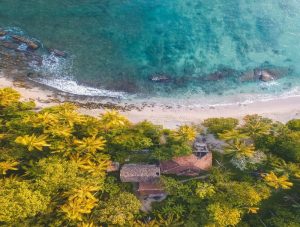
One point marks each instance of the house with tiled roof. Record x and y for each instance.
(146, 179)
(190, 165)
(139, 173)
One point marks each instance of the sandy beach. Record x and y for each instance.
(281, 109)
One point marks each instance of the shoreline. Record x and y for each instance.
(281, 109)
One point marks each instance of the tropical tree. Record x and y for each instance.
(220, 125)
(223, 215)
(294, 124)
(277, 182)
(19, 200)
(205, 190)
(232, 135)
(287, 146)
(90, 144)
(8, 165)
(282, 167)
(119, 210)
(255, 125)
(112, 119)
(80, 201)
(33, 142)
(8, 96)
(186, 132)
(239, 149)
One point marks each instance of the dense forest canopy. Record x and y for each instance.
(53, 166)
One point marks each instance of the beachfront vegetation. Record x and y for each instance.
(53, 166)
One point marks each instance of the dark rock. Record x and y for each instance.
(249, 76)
(33, 75)
(3, 33)
(266, 76)
(58, 53)
(32, 45)
(10, 45)
(220, 74)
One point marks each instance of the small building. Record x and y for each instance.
(139, 173)
(200, 149)
(189, 165)
(153, 190)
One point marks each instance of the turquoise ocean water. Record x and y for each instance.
(114, 47)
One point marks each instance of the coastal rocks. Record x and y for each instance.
(220, 74)
(265, 74)
(3, 33)
(33, 75)
(32, 45)
(58, 53)
(248, 76)
(9, 45)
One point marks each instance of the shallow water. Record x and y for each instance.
(117, 45)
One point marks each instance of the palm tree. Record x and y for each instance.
(152, 223)
(281, 166)
(277, 182)
(171, 220)
(232, 135)
(68, 115)
(256, 125)
(112, 119)
(33, 142)
(58, 130)
(45, 119)
(95, 167)
(8, 96)
(8, 165)
(186, 132)
(90, 144)
(80, 201)
(86, 224)
(239, 149)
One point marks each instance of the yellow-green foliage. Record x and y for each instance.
(220, 125)
(277, 182)
(205, 190)
(53, 169)
(8, 165)
(19, 200)
(222, 215)
(119, 210)
(33, 142)
(8, 97)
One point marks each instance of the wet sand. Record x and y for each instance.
(281, 109)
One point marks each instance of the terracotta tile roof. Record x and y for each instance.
(144, 186)
(139, 173)
(190, 163)
(150, 188)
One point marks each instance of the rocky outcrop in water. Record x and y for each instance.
(3, 33)
(18, 52)
(264, 74)
(58, 53)
(220, 74)
(32, 45)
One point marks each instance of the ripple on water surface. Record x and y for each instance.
(203, 47)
